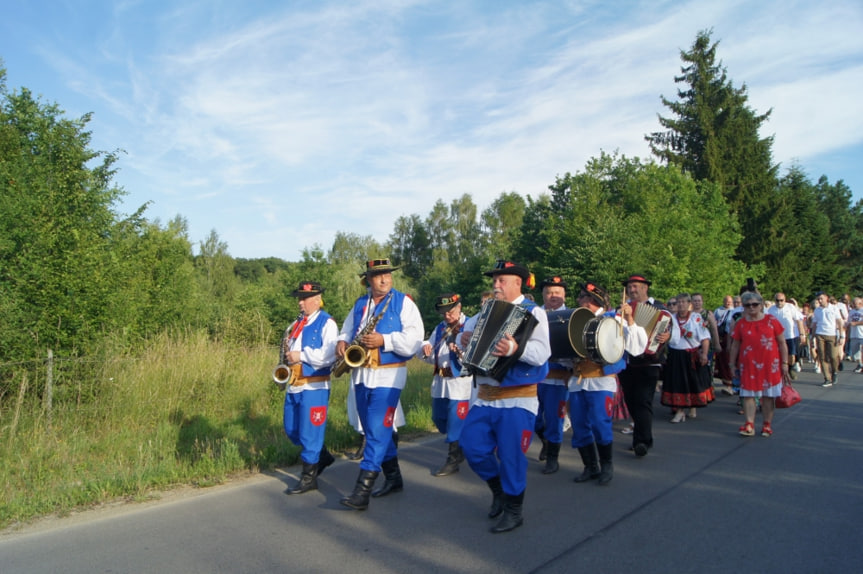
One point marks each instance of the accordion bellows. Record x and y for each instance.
(655, 322)
(496, 320)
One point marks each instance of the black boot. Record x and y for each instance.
(512, 518)
(605, 463)
(358, 454)
(591, 464)
(497, 497)
(325, 459)
(543, 452)
(359, 499)
(309, 479)
(454, 457)
(551, 455)
(393, 476)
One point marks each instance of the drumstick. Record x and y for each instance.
(622, 303)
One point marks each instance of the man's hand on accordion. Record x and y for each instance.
(505, 346)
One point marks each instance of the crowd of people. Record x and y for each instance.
(520, 369)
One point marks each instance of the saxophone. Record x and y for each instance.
(355, 354)
(283, 375)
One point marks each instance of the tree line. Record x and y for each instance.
(708, 211)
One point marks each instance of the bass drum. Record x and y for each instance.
(603, 340)
(565, 332)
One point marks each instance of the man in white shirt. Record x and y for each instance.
(826, 324)
(500, 424)
(388, 326)
(792, 323)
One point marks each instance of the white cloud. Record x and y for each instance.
(280, 128)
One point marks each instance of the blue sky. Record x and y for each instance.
(280, 123)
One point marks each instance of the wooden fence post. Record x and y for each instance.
(48, 397)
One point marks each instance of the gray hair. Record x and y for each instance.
(751, 296)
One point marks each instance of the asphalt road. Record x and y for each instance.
(704, 500)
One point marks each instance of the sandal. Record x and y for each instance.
(747, 430)
(766, 430)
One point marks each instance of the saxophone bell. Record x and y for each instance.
(355, 356)
(283, 376)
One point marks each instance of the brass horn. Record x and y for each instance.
(355, 356)
(283, 376)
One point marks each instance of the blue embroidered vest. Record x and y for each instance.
(312, 337)
(522, 373)
(391, 321)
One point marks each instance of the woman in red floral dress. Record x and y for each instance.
(758, 346)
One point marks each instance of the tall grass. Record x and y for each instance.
(183, 409)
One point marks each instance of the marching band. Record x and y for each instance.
(489, 370)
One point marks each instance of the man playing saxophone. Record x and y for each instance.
(379, 380)
(309, 351)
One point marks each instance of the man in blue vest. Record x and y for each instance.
(500, 424)
(388, 326)
(450, 390)
(309, 349)
(553, 391)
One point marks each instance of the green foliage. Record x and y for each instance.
(56, 260)
(180, 409)
(713, 136)
(621, 216)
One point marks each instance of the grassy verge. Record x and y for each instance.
(184, 411)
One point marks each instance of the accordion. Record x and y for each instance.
(496, 320)
(655, 321)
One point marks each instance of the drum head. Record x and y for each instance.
(603, 340)
(579, 320)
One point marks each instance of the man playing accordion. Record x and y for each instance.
(499, 426)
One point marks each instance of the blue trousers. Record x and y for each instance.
(590, 413)
(494, 442)
(448, 416)
(305, 421)
(552, 411)
(377, 410)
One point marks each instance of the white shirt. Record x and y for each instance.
(453, 388)
(788, 315)
(856, 331)
(316, 357)
(405, 342)
(825, 319)
(692, 333)
(634, 342)
(537, 351)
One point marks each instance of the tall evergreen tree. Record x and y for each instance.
(713, 135)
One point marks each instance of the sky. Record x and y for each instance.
(280, 123)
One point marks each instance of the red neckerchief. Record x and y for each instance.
(298, 328)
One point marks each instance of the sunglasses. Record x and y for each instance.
(780, 300)
(752, 305)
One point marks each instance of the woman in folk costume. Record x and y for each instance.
(688, 381)
(309, 349)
